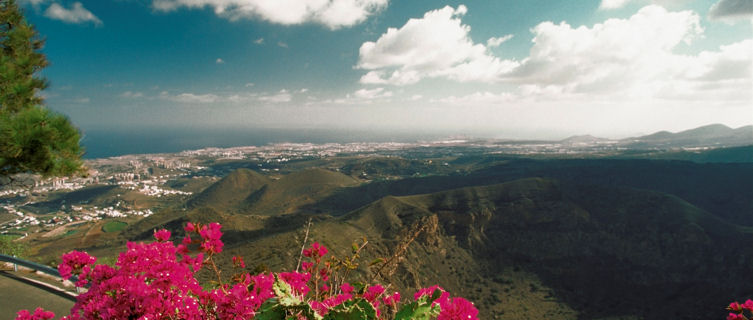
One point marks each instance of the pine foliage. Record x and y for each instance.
(33, 139)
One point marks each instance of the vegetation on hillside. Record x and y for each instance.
(12, 248)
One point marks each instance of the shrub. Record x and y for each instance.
(156, 281)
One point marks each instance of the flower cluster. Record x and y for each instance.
(39, 314)
(157, 281)
(738, 310)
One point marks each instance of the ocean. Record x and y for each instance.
(102, 143)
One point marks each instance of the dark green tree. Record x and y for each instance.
(33, 139)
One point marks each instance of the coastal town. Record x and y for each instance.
(136, 186)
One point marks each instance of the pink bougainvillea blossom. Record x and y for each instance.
(157, 281)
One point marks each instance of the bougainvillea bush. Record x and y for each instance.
(157, 281)
(738, 310)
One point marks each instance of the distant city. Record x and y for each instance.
(154, 175)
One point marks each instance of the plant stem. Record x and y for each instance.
(303, 246)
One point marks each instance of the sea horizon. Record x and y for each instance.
(104, 143)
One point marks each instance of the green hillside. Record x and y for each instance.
(522, 238)
(530, 248)
(230, 191)
(297, 189)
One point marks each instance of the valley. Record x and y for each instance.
(575, 229)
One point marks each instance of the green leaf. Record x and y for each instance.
(423, 309)
(376, 261)
(358, 309)
(417, 311)
(270, 310)
(285, 294)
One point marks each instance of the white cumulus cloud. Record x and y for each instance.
(496, 41)
(76, 14)
(333, 14)
(372, 93)
(626, 59)
(634, 58)
(612, 4)
(434, 46)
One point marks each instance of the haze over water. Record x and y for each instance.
(110, 143)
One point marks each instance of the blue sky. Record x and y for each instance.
(512, 69)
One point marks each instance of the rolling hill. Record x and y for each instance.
(529, 248)
(230, 191)
(248, 192)
(715, 135)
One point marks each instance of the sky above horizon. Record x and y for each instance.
(499, 69)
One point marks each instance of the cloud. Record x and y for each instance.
(191, 98)
(279, 97)
(495, 42)
(129, 94)
(434, 46)
(259, 41)
(249, 84)
(358, 97)
(82, 100)
(369, 94)
(282, 44)
(76, 14)
(333, 14)
(219, 61)
(726, 9)
(632, 58)
(612, 4)
(479, 98)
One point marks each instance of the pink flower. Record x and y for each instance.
(735, 316)
(426, 291)
(324, 273)
(211, 238)
(346, 288)
(157, 281)
(322, 308)
(162, 235)
(392, 300)
(735, 306)
(238, 262)
(190, 227)
(372, 294)
(748, 305)
(316, 251)
(457, 309)
(74, 262)
(39, 314)
(298, 281)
